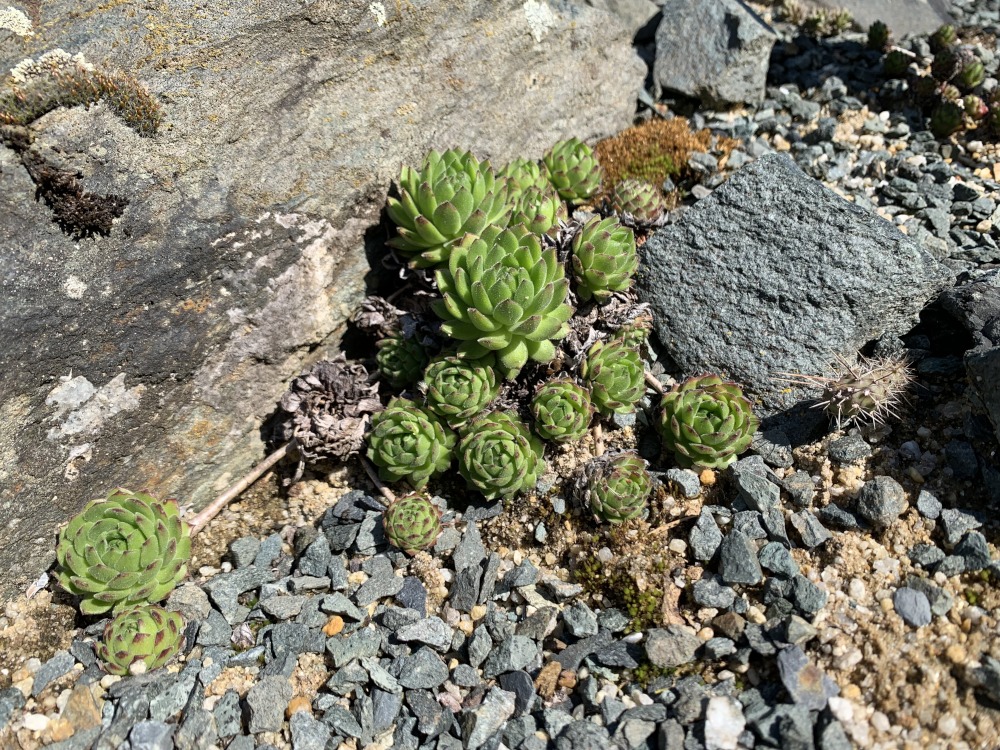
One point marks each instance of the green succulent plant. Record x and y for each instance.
(637, 198)
(562, 410)
(945, 64)
(975, 107)
(971, 74)
(524, 174)
(502, 293)
(925, 90)
(944, 37)
(573, 170)
(458, 389)
(412, 523)
(947, 118)
(707, 422)
(615, 487)
(401, 360)
(539, 210)
(452, 194)
(123, 550)
(636, 333)
(604, 258)
(878, 36)
(616, 376)
(895, 63)
(409, 442)
(499, 456)
(140, 639)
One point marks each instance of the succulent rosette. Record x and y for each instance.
(409, 442)
(604, 258)
(636, 332)
(452, 194)
(401, 360)
(458, 389)
(945, 36)
(412, 523)
(615, 487)
(524, 174)
(616, 376)
(499, 456)
(123, 550)
(707, 422)
(573, 170)
(140, 640)
(539, 210)
(503, 294)
(896, 63)
(562, 410)
(638, 199)
(947, 118)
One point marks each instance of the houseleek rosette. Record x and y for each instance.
(499, 456)
(412, 523)
(616, 376)
(562, 410)
(458, 389)
(615, 487)
(140, 640)
(409, 442)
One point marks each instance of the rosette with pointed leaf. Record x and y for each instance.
(524, 174)
(499, 456)
(707, 422)
(409, 442)
(604, 258)
(573, 170)
(412, 523)
(615, 487)
(971, 73)
(878, 36)
(140, 640)
(896, 63)
(975, 107)
(458, 389)
(616, 376)
(947, 118)
(122, 550)
(401, 360)
(945, 36)
(638, 199)
(539, 210)
(452, 194)
(562, 410)
(503, 294)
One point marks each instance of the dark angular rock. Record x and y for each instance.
(671, 646)
(515, 653)
(432, 718)
(776, 558)
(928, 506)
(152, 735)
(811, 531)
(51, 671)
(423, 670)
(523, 688)
(805, 682)
(800, 488)
(881, 501)
(573, 655)
(413, 595)
(708, 592)
(955, 523)
(11, 700)
(227, 712)
(308, 733)
(316, 558)
(266, 702)
(705, 537)
(974, 551)
(807, 596)
(738, 560)
(849, 449)
(487, 719)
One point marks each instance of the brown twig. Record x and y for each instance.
(598, 433)
(199, 521)
(653, 383)
(370, 470)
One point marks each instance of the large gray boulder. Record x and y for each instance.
(902, 16)
(774, 273)
(714, 50)
(637, 15)
(148, 358)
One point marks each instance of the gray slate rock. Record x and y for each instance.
(11, 700)
(705, 537)
(928, 506)
(804, 681)
(802, 250)
(881, 501)
(955, 523)
(266, 702)
(671, 646)
(913, 606)
(151, 735)
(308, 733)
(432, 630)
(717, 52)
(488, 718)
(811, 531)
(514, 653)
(228, 717)
(51, 670)
(738, 560)
(423, 670)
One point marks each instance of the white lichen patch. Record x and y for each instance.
(540, 18)
(74, 287)
(82, 409)
(14, 20)
(378, 11)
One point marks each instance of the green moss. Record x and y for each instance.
(653, 168)
(647, 672)
(643, 608)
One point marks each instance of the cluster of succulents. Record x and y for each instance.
(820, 22)
(951, 94)
(121, 554)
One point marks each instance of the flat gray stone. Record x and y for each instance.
(482, 722)
(308, 733)
(516, 652)
(811, 531)
(705, 537)
(803, 250)
(913, 606)
(51, 671)
(267, 701)
(881, 501)
(423, 670)
(152, 735)
(738, 560)
(805, 682)
(671, 646)
(431, 630)
(228, 715)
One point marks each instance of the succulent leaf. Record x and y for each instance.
(401, 360)
(412, 523)
(616, 376)
(458, 389)
(409, 442)
(123, 550)
(707, 422)
(140, 639)
(562, 410)
(499, 456)
(604, 258)
(573, 170)
(615, 487)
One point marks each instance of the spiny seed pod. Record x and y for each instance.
(401, 360)
(539, 210)
(502, 293)
(945, 64)
(946, 119)
(638, 199)
(409, 442)
(895, 63)
(140, 640)
(706, 422)
(615, 487)
(524, 174)
(971, 74)
(452, 194)
(604, 258)
(867, 392)
(944, 37)
(878, 36)
(123, 550)
(573, 170)
(616, 376)
(975, 107)
(458, 389)
(499, 456)
(412, 523)
(562, 410)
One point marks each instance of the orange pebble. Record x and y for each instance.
(298, 703)
(334, 625)
(707, 477)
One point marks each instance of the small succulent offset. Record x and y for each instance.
(524, 174)
(123, 550)
(947, 118)
(638, 199)
(878, 36)
(401, 359)
(604, 258)
(896, 63)
(573, 170)
(636, 332)
(975, 107)
(562, 410)
(971, 73)
(412, 523)
(140, 640)
(944, 37)
(540, 210)
(459, 389)
(499, 456)
(615, 487)
(707, 422)
(452, 194)
(616, 376)
(503, 294)
(409, 442)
